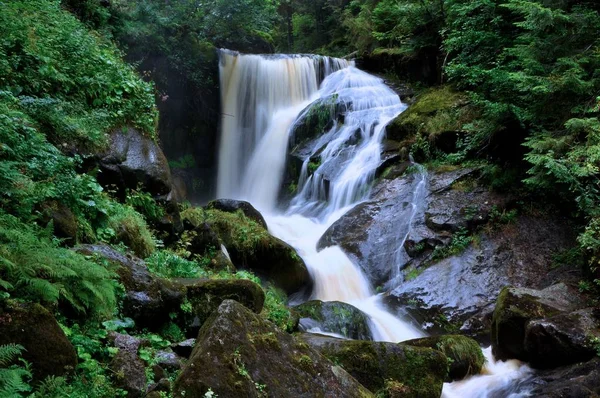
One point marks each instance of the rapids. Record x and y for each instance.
(262, 98)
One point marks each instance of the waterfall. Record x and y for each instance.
(262, 98)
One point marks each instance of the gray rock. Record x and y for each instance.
(184, 348)
(168, 360)
(134, 159)
(129, 369)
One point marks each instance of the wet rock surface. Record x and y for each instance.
(334, 317)
(420, 370)
(237, 353)
(394, 236)
(577, 381)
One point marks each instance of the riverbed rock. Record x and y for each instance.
(231, 206)
(421, 370)
(334, 317)
(133, 160)
(238, 353)
(47, 348)
(562, 339)
(206, 295)
(127, 366)
(148, 300)
(516, 307)
(464, 353)
(581, 380)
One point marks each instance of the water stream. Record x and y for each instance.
(262, 97)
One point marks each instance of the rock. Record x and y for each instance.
(250, 246)
(47, 348)
(432, 105)
(134, 160)
(231, 206)
(562, 339)
(168, 360)
(148, 300)
(206, 295)
(163, 385)
(334, 317)
(577, 381)
(129, 369)
(184, 348)
(515, 307)
(238, 353)
(421, 370)
(464, 353)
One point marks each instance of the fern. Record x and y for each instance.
(13, 378)
(33, 267)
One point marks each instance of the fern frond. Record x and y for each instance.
(9, 353)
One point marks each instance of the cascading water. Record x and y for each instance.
(262, 97)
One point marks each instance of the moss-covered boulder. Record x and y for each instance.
(562, 339)
(516, 307)
(334, 317)
(47, 348)
(251, 246)
(433, 112)
(316, 119)
(421, 371)
(464, 353)
(238, 353)
(232, 206)
(206, 295)
(148, 300)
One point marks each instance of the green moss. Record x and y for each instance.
(464, 354)
(131, 229)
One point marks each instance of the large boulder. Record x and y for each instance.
(251, 246)
(334, 317)
(148, 300)
(238, 353)
(421, 371)
(133, 160)
(464, 353)
(562, 339)
(231, 206)
(129, 369)
(46, 346)
(516, 307)
(206, 295)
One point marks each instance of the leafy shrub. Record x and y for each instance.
(167, 264)
(126, 225)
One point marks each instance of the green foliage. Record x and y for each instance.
(167, 264)
(276, 310)
(145, 204)
(126, 225)
(460, 241)
(33, 267)
(14, 379)
(73, 82)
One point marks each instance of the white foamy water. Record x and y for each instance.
(262, 97)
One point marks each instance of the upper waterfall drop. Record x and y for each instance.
(261, 97)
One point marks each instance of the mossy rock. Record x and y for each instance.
(438, 114)
(232, 206)
(250, 246)
(464, 353)
(47, 348)
(205, 296)
(238, 353)
(515, 307)
(148, 300)
(316, 119)
(421, 371)
(335, 317)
